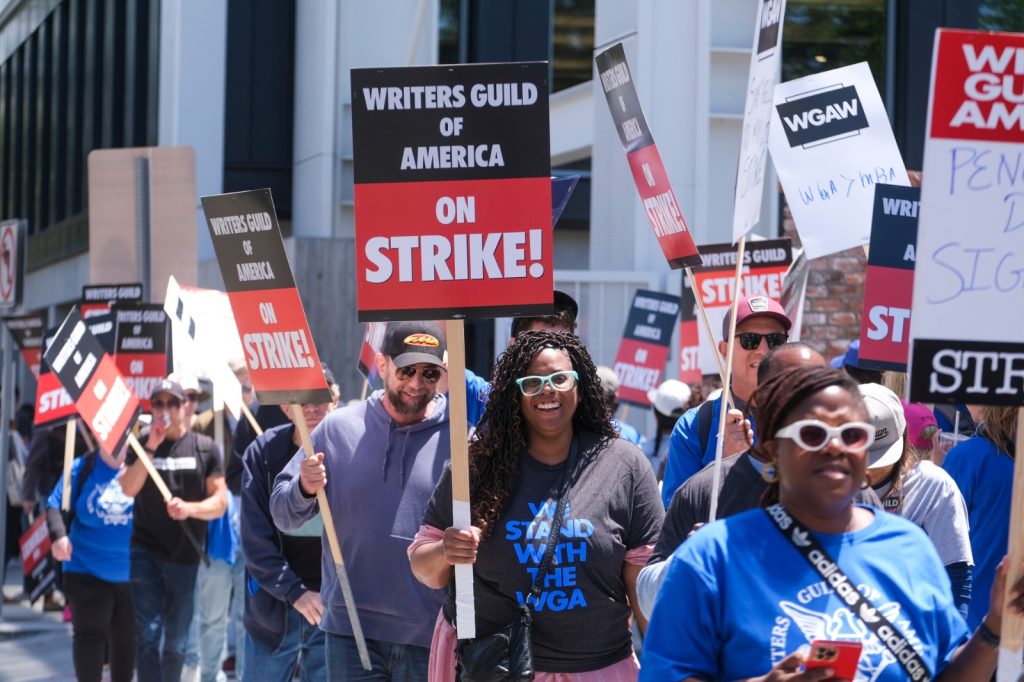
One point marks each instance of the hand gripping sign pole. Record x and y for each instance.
(282, 359)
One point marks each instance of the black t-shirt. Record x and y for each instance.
(185, 464)
(580, 621)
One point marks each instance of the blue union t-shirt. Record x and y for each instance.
(102, 528)
(580, 620)
(738, 598)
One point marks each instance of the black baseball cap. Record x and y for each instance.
(408, 343)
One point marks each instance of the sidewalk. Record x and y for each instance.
(34, 645)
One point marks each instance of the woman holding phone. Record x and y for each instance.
(744, 597)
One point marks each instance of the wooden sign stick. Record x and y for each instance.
(69, 456)
(332, 540)
(707, 329)
(726, 390)
(465, 610)
(366, 386)
(1011, 639)
(252, 420)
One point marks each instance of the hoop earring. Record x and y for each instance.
(770, 473)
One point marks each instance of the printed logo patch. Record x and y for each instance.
(758, 304)
(424, 340)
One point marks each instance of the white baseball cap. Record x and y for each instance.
(885, 413)
(670, 396)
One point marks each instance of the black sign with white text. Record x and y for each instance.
(823, 116)
(973, 372)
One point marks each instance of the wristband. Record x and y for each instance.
(987, 636)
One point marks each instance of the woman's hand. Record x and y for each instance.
(62, 549)
(459, 546)
(788, 670)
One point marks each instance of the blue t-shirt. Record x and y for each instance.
(477, 392)
(102, 529)
(685, 457)
(985, 477)
(726, 615)
(628, 432)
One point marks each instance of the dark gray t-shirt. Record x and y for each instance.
(580, 621)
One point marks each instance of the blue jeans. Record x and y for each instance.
(236, 644)
(214, 598)
(302, 647)
(391, 662)
(163, 596)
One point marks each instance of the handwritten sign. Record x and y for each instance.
(645, 343)
(757, 113)
(831, 144)
(966, 335)
(888, 293)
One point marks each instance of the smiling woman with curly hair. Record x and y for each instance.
(546, 403)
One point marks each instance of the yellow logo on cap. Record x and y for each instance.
(425, 340)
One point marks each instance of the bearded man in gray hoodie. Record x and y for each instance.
(379, 461)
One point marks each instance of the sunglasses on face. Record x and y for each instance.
(429, 374)
(559, 381)
(170, 403)
(752, 340)
(813, 435)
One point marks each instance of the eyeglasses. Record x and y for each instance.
(170, 403)
(559, 381)
(752, 340)
(429, 374)
(813, 435)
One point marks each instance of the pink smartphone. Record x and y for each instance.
(842, 657)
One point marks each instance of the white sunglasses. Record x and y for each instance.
(813, 434)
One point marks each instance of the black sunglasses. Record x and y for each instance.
(429, 374)
(752, 340)
(170, 403)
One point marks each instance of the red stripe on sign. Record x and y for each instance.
(689, 349)
(143, 372)
(976, 89)
(53, 403)
(662, 207)
(885, 320)
(108, 404)
(469, 244)
(639, 366)
(278, 346)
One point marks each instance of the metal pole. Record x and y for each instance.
(7, 378)
(142, 224)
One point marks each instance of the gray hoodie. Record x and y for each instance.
(380, 476)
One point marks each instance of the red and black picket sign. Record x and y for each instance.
(644, 348)
(659, 200)
(889, 290)
(99, 298)
(38, 566)
(102, 397)
(27, 332)
(279, 350)
(452, 191)
(53, 404)
(142, 346)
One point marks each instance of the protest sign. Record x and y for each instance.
(656, 194)
(98, 298)
(831, 143)
(12, 262)
(27, 331)
(141, 346)
(968, 283)
(275, 336)
(53, 404)
(966, 342)
(888, 292)
(452, 191)
(38, 566)
(765, 264)
(757, 112)
(645, 343)
(102, 397)
(373, 336)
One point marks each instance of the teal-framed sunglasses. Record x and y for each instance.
(560, 381)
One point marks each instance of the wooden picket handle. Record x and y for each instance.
(143, 456)
(252, 420)
(69, 456)
(710, 333)
(465, 610)
(726, 390)
(335, 545)
(1011, 639)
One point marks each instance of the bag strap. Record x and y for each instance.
(825, 566)
(565, 482)
(705, 413)
(88, 464)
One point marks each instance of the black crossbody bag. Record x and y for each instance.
(507, 655)
(825, 566)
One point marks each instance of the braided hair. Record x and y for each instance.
(501, 434)
(779, 395)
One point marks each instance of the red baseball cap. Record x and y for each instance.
(918, 417)
(756, 306)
